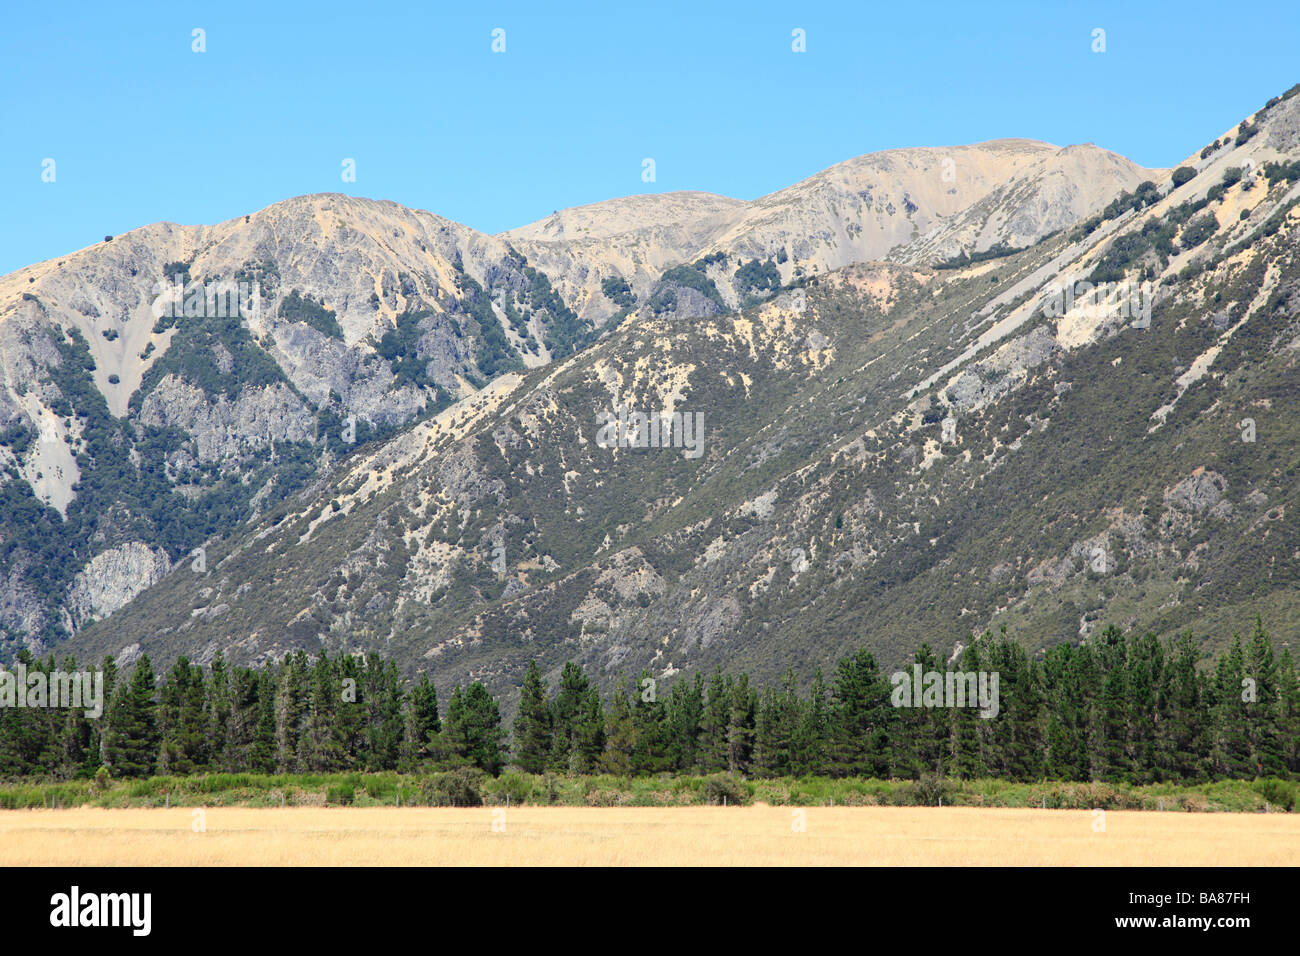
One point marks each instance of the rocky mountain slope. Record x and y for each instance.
(164, 386)
(1096, 429)
(905, 205)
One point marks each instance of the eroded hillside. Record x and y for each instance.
(880, 454)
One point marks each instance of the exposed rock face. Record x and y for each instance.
(413, 332)
(1198, 493)
(906, 205)
(21, 612)
(903, 454)
(320, 366)
(258, 418)
(112, 578)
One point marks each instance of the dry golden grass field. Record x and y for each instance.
(632, 836)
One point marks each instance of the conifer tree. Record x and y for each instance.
(578, 722)
(965, 755)
(1146, 664)
(740, 725)
(1112, 759)
(422, 726)
(861, 718)
(812, 738)
(1014, 736)
(327, 720)
(474, 727)
(771, 758)
(685, 713)
(74, 746)
(779, 722)
(1263, 712)
(1230, 739)
(290, 712)
(1181, 751)
(651, 752)
(620, 734)
(532, 730)
(382, 703)
(133, 740)
(1289, 711)
(714, 724)
(183, 720)
(219, 710)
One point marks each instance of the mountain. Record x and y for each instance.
(166, 384)
(885, 453)
(904, 205)
(825, 333)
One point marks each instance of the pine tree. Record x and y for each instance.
(133, 740)
(1263, 713)
(812, 738)
(474, 727)
(74, 746)
(183, 720)
(1230, 740)
(740, 725)
(291, 712)
(347, 730)
(1146, 665)
(422, 726)
(328, 721)
(919, 745)
(1289, 711)
(578, 723)
(651, 753)
(28, 738)
(714, 724)
(778, 723)
(965, 756)
(219, 709)
(242, 725)
(620, 734)
(1113, 762)
(1015, 749)
(1181, 752)
(99, 729)
(382, 703)
(590, 741)
(685, 713)
(532, 730)
(862, 719)
(771, 742)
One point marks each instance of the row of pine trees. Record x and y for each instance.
(1114, 709)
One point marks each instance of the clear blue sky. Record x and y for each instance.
(143, 129)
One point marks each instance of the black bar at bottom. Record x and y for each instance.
(367, 905)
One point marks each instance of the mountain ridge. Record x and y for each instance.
(396, 546)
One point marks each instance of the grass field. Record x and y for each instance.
(655, 836)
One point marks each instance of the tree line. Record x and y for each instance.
(1116, 709)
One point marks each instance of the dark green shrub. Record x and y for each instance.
(1278, 793)
(1198, 230)
(929, 790)
(722, 789)
(462, 787)
(341, 795)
